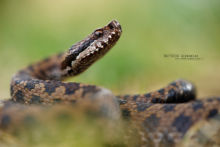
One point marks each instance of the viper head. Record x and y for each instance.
(84, 53)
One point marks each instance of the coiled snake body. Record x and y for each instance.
(162, 116)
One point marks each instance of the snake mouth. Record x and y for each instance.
(93, 47)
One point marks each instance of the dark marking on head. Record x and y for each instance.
(110, 26)
(212, 113)
(169, 107)
(82, 47)
(19, 96)
(76, 52)
(98, 33)
(182, 123)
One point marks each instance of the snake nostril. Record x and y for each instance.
(115, 25)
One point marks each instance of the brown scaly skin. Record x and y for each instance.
(166, 124)
(162, 117)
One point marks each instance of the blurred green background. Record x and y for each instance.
(32, 30)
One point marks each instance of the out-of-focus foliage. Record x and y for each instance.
(32, 30)
(63, 126)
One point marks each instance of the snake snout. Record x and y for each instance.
(114, 24)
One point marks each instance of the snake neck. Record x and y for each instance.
(77, 59)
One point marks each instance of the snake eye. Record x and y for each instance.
(111, 26)
(98, 33)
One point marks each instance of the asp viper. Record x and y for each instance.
(162, 116)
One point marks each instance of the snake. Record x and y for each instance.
(162, 117)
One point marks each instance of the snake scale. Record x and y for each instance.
(162, 117)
